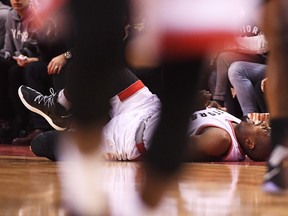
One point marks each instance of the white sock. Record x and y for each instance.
(80, 177)
(63, 100)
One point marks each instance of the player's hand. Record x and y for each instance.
(263, 84)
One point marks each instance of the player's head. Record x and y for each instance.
(254, 140)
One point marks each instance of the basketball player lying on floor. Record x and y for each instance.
(214, 135)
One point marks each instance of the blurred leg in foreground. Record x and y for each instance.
(91, 81)
(276, 24)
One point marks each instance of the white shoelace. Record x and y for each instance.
(48, 100)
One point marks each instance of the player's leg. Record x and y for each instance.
(169, 141)
(276, 178)
(99, 52)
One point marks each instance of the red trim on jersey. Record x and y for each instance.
(234, 135)
(132, 89)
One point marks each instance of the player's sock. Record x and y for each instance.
(81, 184)
(63, 100)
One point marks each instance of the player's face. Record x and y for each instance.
(250, 129)
(259, 131)
(254, 139)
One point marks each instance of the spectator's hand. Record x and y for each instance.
(204, 98)
(56, 64)
(216, 105)
(23, 61)
(263, 84)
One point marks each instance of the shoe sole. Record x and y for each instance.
(35, 110)
(273, 189)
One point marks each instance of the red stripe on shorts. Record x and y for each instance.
(132, 89)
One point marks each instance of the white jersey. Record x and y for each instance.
(130, 108)
(136, 106)
(217, 118)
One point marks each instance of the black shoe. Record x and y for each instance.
(46, 106)
(46, 144)
(276, 177)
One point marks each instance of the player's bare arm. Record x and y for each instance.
(212, 144)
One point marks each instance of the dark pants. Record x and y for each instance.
(11, 79)
(12, 109)
(6, 108)
(231, 103)
(59, 80)
(99, 56)
(153, 78)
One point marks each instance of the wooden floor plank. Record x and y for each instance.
(30, 186)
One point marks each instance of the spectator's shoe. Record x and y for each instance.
(46, 106)
(276, 177)
(27, 139)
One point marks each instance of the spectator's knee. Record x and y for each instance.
(224, 58)
(234, 72)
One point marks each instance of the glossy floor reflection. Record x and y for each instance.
(30, 186)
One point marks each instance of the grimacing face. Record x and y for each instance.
(254, 139)
(253, 131)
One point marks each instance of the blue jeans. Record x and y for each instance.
(224, 60)
(244, 76)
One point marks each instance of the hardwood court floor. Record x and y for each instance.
(29, 186)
